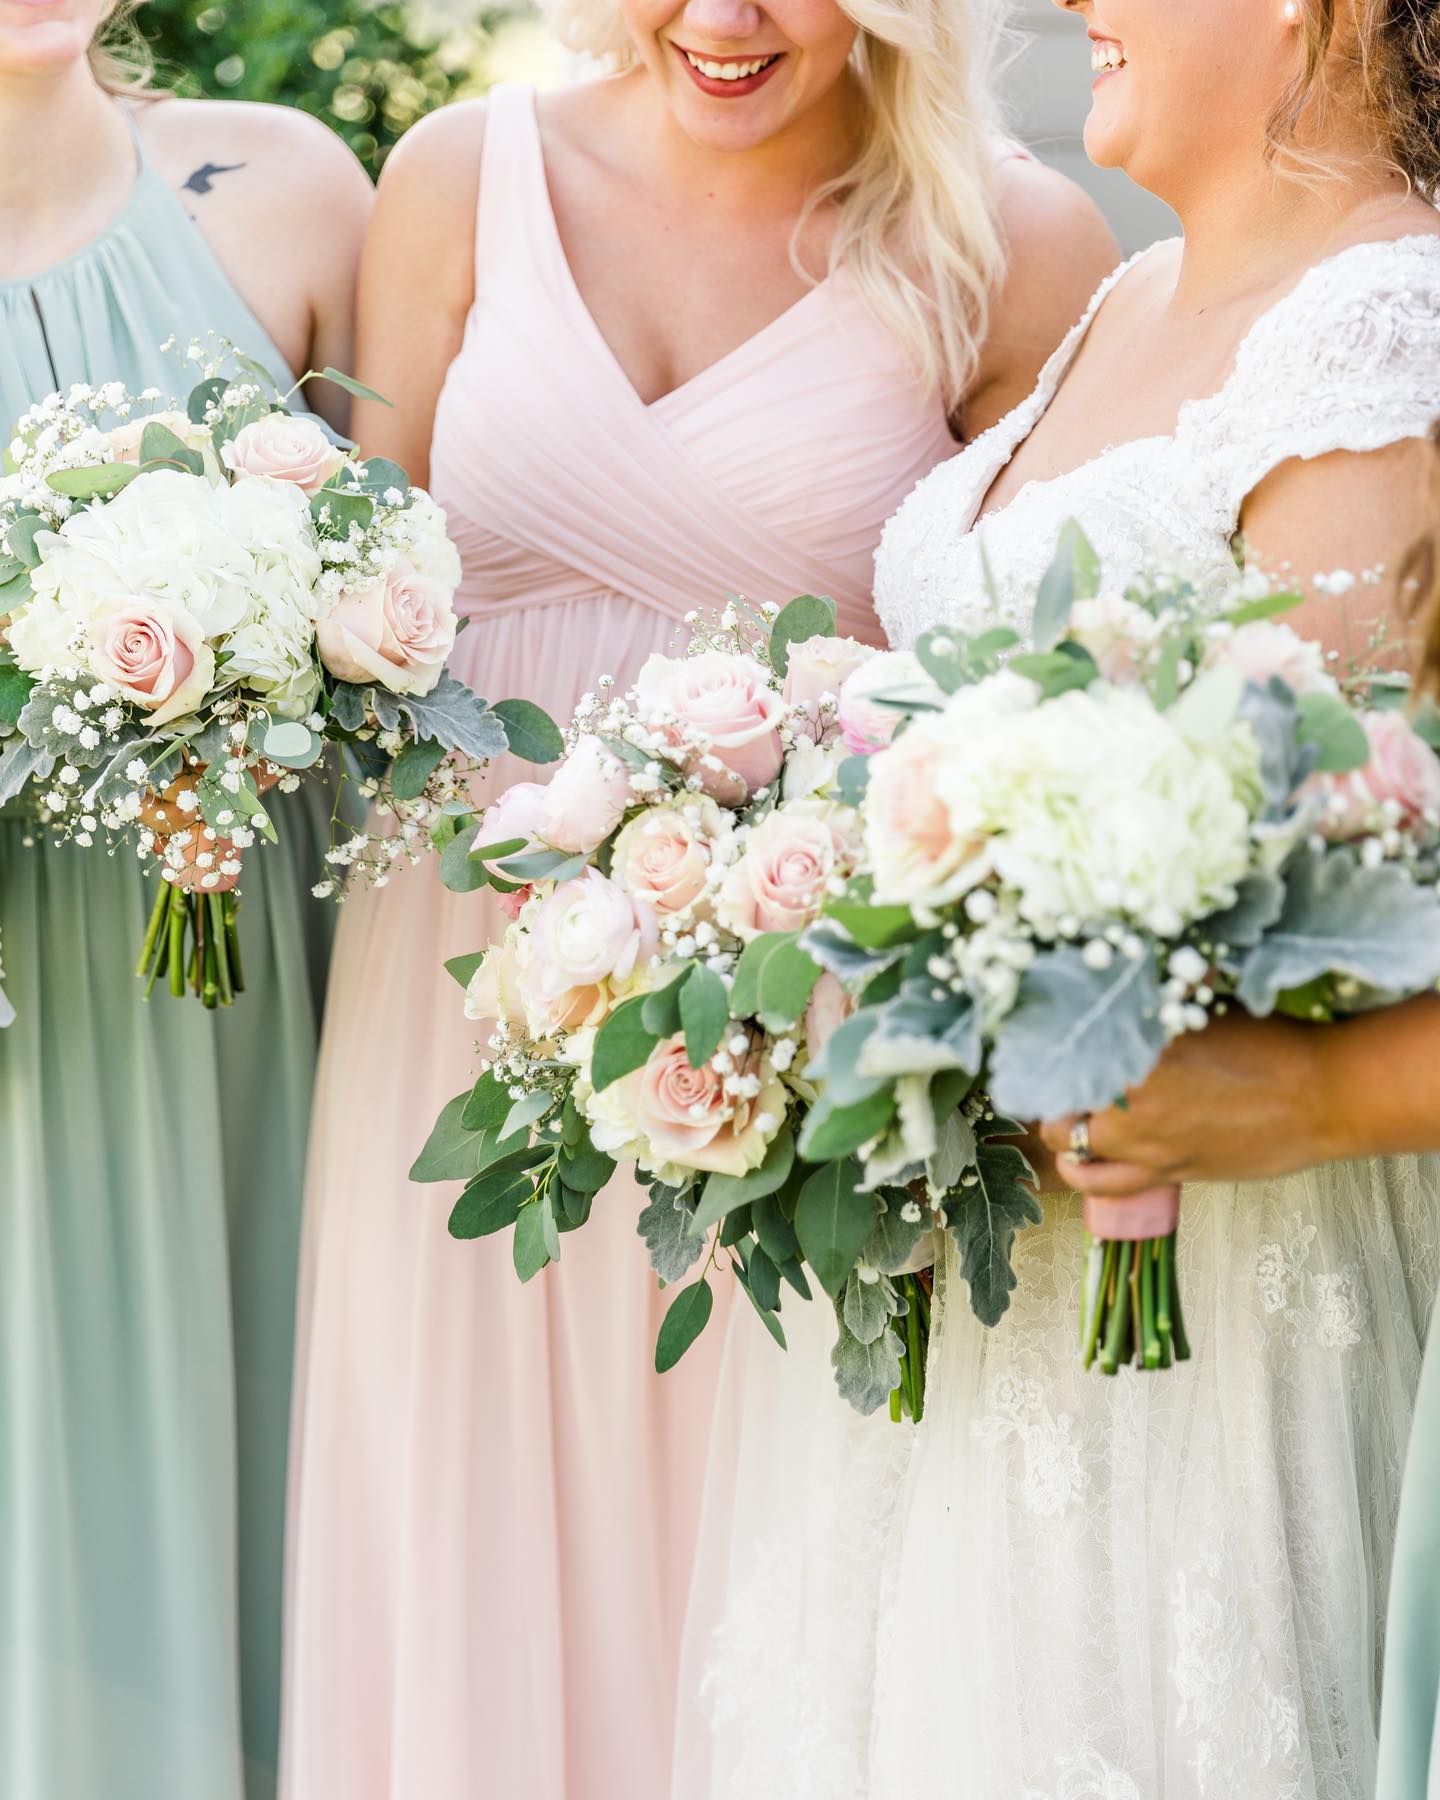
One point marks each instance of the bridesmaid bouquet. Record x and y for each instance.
(1169, 806)
(194, 607)
(655, 1004)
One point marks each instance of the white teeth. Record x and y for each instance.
(728, 71)
(1105, 57)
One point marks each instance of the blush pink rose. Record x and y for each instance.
(586, 800)
(516, 815)
(865, 724)
(727, 699)
(911, 840)
(1265, 650)
(664, 856)
(494, 990)
(1403, 775)
(782, 879)
(153, 655)
(284, 449)
(686, 1117)
(587, 932)
(399, 632)
(1117, 633)
(123, 443)
(830, 1006)
(817, 669)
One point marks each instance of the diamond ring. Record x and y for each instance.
(1080, 1140)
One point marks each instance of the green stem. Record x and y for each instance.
(1165, 1283)
(1149, 1336)
(232, 944)
(1093, 1318)
(210, 992)
(1114, 1351)
(152, 931)
(220, 937)
(176, 930)
(1182, 1342)
(916, 1353)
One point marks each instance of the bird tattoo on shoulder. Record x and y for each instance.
(203, 180)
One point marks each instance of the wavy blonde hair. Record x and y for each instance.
(119, 55)
(916, 225)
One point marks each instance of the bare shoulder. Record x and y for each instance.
(1060, 246)
(438, 160)
(1059, 249)
(195, 142)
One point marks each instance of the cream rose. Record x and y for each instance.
(155, 656)
(782, 878)
(515, 815)
(586, 800)
(817, 669)
(664, 856)
(866, 725)
(729, 701)
(494, 990)
(398, 633)
(1401, 780)
(284, 449)
(675, 1119)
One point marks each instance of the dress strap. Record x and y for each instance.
(512, 179)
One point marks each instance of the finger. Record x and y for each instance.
(1108, 1180)
(1055, 1133)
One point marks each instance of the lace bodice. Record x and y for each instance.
(1348, 360)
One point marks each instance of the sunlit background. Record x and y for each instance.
(370, 68)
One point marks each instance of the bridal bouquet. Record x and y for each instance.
(655, 1005)
(194, 605)
(1167, 806)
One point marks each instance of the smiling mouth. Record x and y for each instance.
(1106, 56)
(728, 69)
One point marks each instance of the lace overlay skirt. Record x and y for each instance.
(1164, 1587)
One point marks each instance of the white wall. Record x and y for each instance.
(1048, 90)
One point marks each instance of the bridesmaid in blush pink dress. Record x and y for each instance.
(494, 1498)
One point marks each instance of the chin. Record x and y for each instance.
(42, 49)
(1106, 144)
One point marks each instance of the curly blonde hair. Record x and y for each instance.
(916, 226)
(1391, 49)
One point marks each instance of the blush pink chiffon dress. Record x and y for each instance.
(494, 1498)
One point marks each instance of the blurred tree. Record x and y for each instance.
(369, 68)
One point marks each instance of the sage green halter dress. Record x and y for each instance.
(151, 1159)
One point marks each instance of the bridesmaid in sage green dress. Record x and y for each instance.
(151, 1154)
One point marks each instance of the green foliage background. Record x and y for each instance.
(368, 68)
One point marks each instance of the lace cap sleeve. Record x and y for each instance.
(1349, 360)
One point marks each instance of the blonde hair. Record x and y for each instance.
(916, 228)
(1393, 49)
(119, 56)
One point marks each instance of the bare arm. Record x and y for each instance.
(1060, 250)
(417, 282)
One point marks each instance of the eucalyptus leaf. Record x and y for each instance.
(852, 779)
(688, 1316)
(531, 1250)
(527, 1112)
(747, 1278)
(833, 1219)
(452, 1152)
(873, 927)
(491, 1202)
(1340, 918)
(92, 484)
(459, 871)
(159, 444)
(530, 732)
(1073, 574)
(585, 1168)
(831, 1130)
(725, 1193)
(488, 1104)
(830, 944)
(704, 1014)
(775, 1232)
(352, 386)
(338, 510)
(543, 865)
(665, 1227)
(622, 1044)
(203, 397)
(661, 1012)
(20, 538)
(462, 968)
(1077, 1037)
(16, 688)
(806, 617)
(416, 762)
(1332, 730)
(773, 980)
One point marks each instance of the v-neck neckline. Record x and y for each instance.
(712, 370)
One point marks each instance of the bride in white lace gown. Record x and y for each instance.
(1163, 1587)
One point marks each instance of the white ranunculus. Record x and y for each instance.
(42, 634)
(1095, 804)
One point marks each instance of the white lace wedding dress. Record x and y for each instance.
(1063, 1587)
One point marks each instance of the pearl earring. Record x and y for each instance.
(1292, 12)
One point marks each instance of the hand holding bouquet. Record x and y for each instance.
(196, 605)
(1167, 808)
